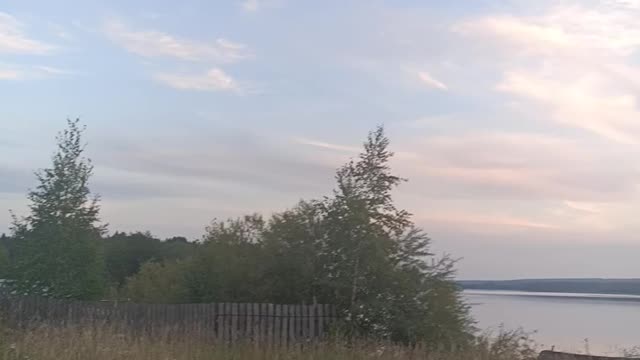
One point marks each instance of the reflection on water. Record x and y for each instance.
(607, 323)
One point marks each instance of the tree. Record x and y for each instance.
(374, 257)
(57, 250)
(159, 282)
(228, 265)
(177, 248)
(125, 254)
(291, 243)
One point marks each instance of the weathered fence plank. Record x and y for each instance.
(284, 324)
(299, 322)
(292, 324)
(320, 320)
(277, 317)
(219, 321)
(257, 335)
(234, 322)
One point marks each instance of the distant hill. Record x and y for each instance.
(595, 286)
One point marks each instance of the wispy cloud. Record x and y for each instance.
(10, 74)
(584, 100)
(53, 71)
(14, 40)
(484, 219)
(213, 80)
(525, 36)
(430, 81)
(325, 145)
(204, 160)
(573, 64)
(521, 166)
(60, 31)
(251, 5)
(584, 206)
(153, 43)
(24, 72)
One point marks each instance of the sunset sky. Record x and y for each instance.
(516, 122)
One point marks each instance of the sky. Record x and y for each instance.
(515, 121)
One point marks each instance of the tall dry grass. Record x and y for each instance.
(104, 343)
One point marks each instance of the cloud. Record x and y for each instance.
(213, 80)
(585, 101)
(584, 206)
(13, 40)
(572, 64)
(35, 72)
(257, 5)
(251, 5)
(217, 173)
(518, 166)
(499, 221)
(508, 180)
(53, 71)
(514, 166)
(624, 4)
(10, 74)
(325, 145)
(240, 159)
(429, 80)
(153, 43)
(560, 30)
(513, 31)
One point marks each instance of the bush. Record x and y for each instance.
(158, 283)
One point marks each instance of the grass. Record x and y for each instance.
(104, 343)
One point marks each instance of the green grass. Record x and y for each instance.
(88, 343)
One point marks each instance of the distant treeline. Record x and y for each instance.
(593, 286)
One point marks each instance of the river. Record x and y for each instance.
(594, 323)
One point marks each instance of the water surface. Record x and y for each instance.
(597, 323)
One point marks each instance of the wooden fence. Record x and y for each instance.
(227, 322)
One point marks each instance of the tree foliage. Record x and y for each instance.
(292, 242)
(125, 254)
(227, 266)
(4, 262)
(375, 257)
(159, 282)
(57, 252)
